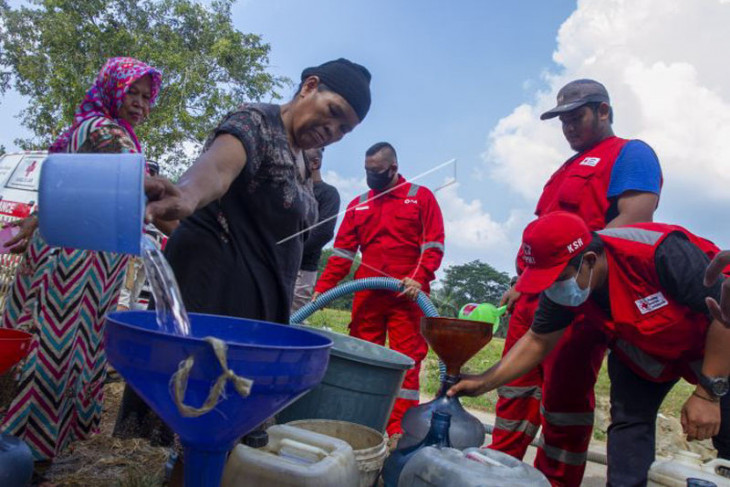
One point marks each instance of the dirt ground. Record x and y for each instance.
(104, 461)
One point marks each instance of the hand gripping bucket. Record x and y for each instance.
(92, 201)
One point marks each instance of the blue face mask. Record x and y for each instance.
(568, 292)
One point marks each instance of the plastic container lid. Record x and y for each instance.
(256, 439)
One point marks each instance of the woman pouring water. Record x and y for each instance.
(247, 201)
(245, 206)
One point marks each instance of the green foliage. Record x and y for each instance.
(446, 302)
(345, 302)
(2, 149)
(474, 282)
(52, 50)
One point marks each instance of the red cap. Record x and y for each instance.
(548, 244)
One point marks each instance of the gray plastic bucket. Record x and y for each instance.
(360, 386)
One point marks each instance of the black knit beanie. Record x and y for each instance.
(349, 80)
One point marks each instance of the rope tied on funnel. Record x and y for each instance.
(180, 381)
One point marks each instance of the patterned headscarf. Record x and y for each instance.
(105, 97)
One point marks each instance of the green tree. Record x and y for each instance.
(475, 282)
(52, 50)
(345, 302)
(445, 302)
(2, 149)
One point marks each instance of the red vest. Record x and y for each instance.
(657, 337)
(580, 186)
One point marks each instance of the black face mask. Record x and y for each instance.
(378, 180)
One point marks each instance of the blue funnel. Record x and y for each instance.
(283, 363)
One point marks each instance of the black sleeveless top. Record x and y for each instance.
(237, 256)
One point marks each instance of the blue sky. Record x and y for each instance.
(443, 72)
(468, 80)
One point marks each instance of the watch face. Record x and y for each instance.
(720, 387)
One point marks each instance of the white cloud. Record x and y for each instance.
(472, 233)
(661, 61)
(349, 188)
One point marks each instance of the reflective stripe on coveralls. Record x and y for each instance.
(512, 392)
(563, 456)
(409, 394)
(432, 245)
(567, 419)
(517, 426)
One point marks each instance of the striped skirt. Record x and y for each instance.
(61, 296)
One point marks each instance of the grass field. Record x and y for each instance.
(337, 320)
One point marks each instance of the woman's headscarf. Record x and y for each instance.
(104, 98)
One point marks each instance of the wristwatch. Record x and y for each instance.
(716, 386)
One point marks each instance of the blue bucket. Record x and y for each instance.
(92, 201)
(284, 363)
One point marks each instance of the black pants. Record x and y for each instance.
(635, 403)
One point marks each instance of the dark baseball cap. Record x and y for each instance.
(576, 94)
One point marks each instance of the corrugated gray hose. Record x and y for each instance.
(366, 284)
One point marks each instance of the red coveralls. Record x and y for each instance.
(401, 234)
(558, 395)
(657, 345)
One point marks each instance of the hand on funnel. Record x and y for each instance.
(470, 385)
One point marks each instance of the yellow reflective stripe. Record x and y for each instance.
(513, 392)
(517, 426)
(567, 419)
(562, 456)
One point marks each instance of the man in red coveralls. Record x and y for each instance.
(644, 284)
(398, 228)
(609, 182)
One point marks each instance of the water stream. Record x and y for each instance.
(171, 314)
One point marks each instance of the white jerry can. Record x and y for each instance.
(473, 467)
(294, 457)
(675, 471)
